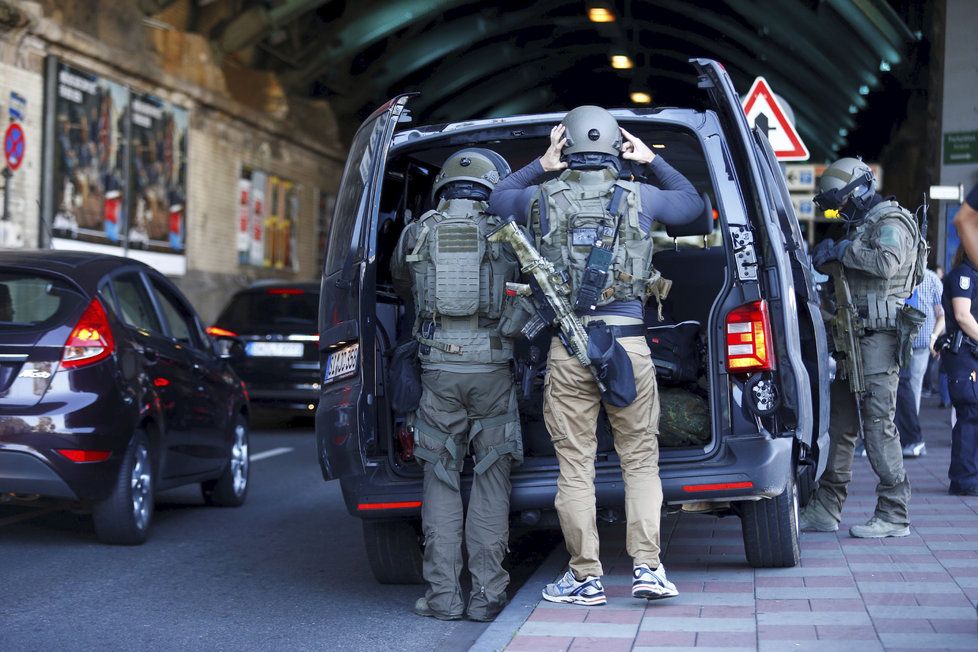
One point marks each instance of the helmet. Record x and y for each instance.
(846, 179)
(474, 165)
(591, 130)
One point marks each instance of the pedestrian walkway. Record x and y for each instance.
(912, 593)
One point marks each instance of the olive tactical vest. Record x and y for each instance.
(577, 214)
(459, 281)
(879, 300)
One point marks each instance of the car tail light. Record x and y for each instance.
(749, 338)
(717, 486)
(217, 331)
(76, 455)
(284, 291)
(407, 504)
(91, 340)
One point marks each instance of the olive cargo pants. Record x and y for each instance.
(882, 441)
(458, 409)
(571, 404)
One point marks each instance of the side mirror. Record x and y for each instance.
(229, 348)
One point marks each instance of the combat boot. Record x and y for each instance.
(810, 519)
(877, 528)
(422, 608)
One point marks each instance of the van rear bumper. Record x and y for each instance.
(747, 468)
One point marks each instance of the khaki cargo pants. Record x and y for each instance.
(571, 404)
(458, 410)
(879, 351)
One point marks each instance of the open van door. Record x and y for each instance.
(346, 424)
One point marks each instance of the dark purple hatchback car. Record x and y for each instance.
(110, 391)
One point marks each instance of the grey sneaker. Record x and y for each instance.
(809, 520)
(652, 584)
(569, 589)
(877, 528)
(422, 609)
(915, 450)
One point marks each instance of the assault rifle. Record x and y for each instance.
(548, 291)
(847, 329)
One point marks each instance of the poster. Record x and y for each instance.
(268, 210)
(256, 244)
(244, 216)
(157, 197)
(90, 157)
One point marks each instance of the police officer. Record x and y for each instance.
(587, 206)
(881, 264)
(960, 362)
(468, 398)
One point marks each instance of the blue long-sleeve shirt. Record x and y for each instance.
(676, 202)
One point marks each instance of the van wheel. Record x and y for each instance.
(394, 551)
(231, 488)
(770, 529)
(125, 516)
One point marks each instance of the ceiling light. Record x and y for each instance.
(864, 90)
(640, 97)
(884, 66)
(621, 62)
(853, 109)
(600, 14)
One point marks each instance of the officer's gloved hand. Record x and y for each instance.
(829, 252)
(820, 251)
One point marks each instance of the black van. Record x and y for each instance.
(741, 271)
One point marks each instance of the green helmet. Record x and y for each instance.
(591, 130)
(848, 178)
(476, 165)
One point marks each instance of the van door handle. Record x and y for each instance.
(149, 355)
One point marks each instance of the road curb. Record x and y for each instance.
(501, 631)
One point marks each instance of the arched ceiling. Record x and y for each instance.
(475, 59)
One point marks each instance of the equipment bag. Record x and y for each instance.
(405, 377)
(675, 351)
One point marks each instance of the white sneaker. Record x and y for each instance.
(652, 584)
(567, 589)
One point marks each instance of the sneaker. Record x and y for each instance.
(652, 584)
(808, 520)
(422, 609)
(915, 450)
(860, 450)
(877, 528)
(568, 589)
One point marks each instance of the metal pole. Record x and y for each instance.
(6, 193)
(47, 157)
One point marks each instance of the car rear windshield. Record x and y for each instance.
(29, 300)
(275, 309)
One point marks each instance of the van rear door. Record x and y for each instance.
(346, 423)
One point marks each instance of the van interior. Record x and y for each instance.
(691, 256)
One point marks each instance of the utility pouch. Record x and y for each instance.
(612, 363)
(909, 320)
(593, 280)
(514, 317)
(404, 386)
(427, 332)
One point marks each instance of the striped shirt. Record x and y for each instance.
(927, 297)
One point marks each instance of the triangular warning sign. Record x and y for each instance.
(784, 139)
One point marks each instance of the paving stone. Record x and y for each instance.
(558, 615)
(803, 571)
(909, 587)
(780, 581)
(929, 641)
(524, 643)
(898, 566)
(943, 599)
(726, 639)
(838, 604)
(667, 610)
(820, 646)
(845, 633)
(786, 632)
(604, 630)
(830, 580)
(903, 625)
(588, 644)
(931, 613)
(659, 639)
(841, 618)
(780, 606)
(969, 626)
(728, 587)
(698, 625)
(710, 599)
(804, 593)
(621, 616)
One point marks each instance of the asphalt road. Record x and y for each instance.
(285, 571)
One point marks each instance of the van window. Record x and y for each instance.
(351, 202)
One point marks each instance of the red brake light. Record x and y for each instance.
(217, 331)
(749, 338)
(719, 486)
(407, 504)
(91, 340)
(284, 291)
(77, 456)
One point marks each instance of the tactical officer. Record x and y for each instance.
(882, 262)
(584, 208)
(468, 396)
(960, 362)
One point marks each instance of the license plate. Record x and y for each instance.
(343, 362)
(274, 349)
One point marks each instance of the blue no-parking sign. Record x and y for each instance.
(14, 146)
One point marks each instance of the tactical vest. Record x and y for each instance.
(459, 281)
(880, 300)
(577, 214)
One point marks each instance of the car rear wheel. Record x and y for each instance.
(124, 518)
(231, 488)
(770, 528)
(394, 551)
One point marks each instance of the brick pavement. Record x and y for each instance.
(914, 593)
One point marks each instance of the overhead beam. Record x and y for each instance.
(253, 25)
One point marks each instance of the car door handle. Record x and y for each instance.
(150, 355)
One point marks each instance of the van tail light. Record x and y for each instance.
(82, 456)
(91, 340)
(749, 338)
(217, 331)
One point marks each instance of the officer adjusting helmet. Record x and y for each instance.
(470, 174)
(593, 138)
(846, 180)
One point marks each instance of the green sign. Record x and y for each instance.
(961, 147)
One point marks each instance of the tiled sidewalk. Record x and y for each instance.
(914, 593)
